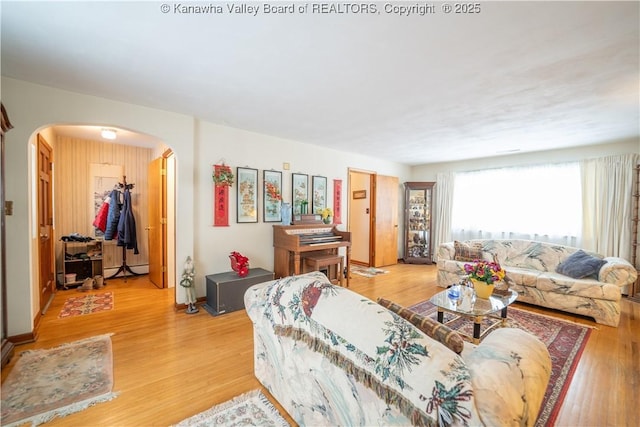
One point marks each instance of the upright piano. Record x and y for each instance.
(291, 242)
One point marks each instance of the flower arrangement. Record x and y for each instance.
(239, 263)
(222, 175)
(272, 191)
(326, 213)
(485, 271)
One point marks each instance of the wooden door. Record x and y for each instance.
(385, 221)
(157, 228)
(360, 217)
(45, 223)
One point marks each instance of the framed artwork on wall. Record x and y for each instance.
(247, 195)
(272, 196)
(319, 200)
(299, 193)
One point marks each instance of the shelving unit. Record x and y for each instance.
(84, 259)
(417, 222)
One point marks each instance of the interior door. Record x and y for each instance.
(45, 223)
(359, 208)
(385, 220)
(157, 228)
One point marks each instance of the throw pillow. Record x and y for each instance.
(467, 251)
(580, 265)
(435, 330)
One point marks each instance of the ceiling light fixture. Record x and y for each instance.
(108, 134)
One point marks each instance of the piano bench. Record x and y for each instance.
(317, 261)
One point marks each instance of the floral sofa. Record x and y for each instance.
(532, 270)
(333, 357)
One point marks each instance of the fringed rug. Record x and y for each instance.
(367, 271)
(249, 409)
(86, 304)
(564, 340)
(45, 384)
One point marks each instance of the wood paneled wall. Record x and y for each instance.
(73, 192)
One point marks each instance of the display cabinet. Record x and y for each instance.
(418, 222)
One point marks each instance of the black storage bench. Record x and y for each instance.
(225, 291)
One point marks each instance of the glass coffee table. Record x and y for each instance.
(466, 304)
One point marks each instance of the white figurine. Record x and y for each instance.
(187, 283)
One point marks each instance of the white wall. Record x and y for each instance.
(33, 107)
(197, 146)
(247, 149)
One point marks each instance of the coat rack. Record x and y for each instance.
(124, 268)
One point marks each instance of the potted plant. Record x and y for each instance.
(326, 213)
(484, 275)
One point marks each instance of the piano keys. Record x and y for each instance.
(292, 242)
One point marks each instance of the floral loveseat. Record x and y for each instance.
(333, 357)
(532, 270)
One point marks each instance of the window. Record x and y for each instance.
(536, 202)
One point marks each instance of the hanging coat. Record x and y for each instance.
(113, 217)
(100, 221)
(127, 225)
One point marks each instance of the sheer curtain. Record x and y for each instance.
(607, 192)
(443, 208)
(542, 202)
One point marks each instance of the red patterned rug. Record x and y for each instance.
(564, 340)
(87, 304)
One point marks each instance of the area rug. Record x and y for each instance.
(56, 382)
(86, 304)
(367, 271)
(564, 340)
(249, 409)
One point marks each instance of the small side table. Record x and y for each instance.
(225, 291)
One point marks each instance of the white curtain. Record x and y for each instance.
(607, 188)
(443, 209)
(541, 202)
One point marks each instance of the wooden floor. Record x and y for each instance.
(169, 365)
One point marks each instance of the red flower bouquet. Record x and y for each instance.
(239, 263)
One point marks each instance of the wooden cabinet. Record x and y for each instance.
(418, 202)
(83, 259)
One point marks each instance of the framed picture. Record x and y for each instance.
(299, 193)
(319, 194)
(360, 194)
(272, 196)
(247, 195)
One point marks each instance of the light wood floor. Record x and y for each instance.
(169, 365)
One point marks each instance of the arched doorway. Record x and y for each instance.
(85, 166)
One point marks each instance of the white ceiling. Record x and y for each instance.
(518, 76)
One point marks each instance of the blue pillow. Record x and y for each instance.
(580, 265)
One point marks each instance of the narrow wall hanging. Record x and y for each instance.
(337, 201)
(222, 180)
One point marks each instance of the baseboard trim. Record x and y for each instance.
(7, 351)
(183, 306)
